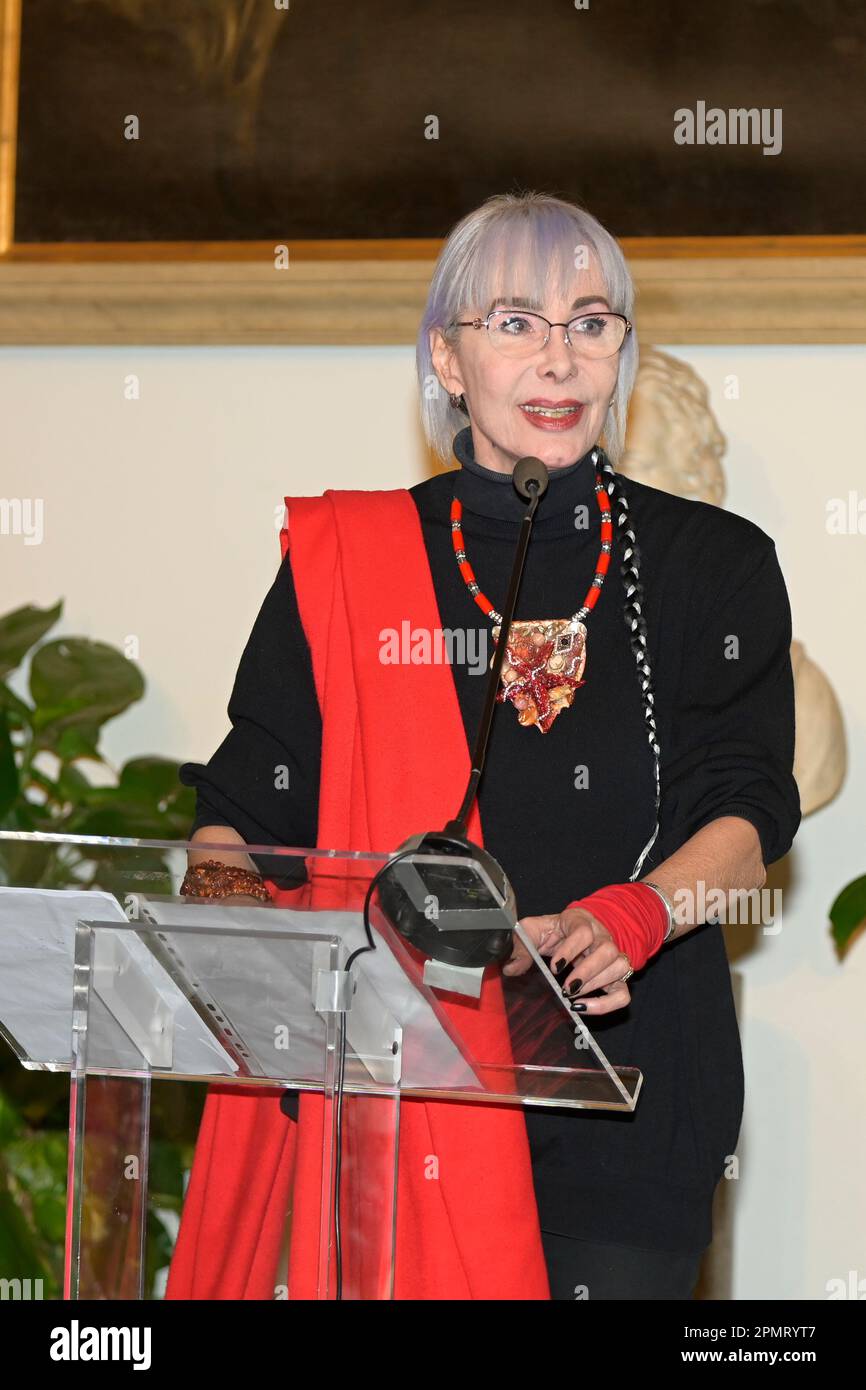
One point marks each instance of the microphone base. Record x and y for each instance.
(460, 914)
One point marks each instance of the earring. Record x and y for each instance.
(456, 401)
(611, 402)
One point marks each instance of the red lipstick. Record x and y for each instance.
(547, 414)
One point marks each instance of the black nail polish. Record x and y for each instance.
(560, 965)
(574, 986)
(579, 1006)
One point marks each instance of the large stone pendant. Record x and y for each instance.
(542, 668)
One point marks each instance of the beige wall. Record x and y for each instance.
(160, 521)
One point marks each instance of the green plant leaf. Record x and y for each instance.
(76, 743)
(115, 816)
(20, 1255)
(10, 1121)
(9, 787)
(22, 629)
(35, 1099)
(848, 913)
(76, 685)
(159, 1248)
(165, 1174)
(151, 779)
(22, 864)
(149, 802)
(19, 711)
(37, 1167)
(72, 786)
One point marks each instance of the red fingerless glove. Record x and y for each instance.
(634, 915)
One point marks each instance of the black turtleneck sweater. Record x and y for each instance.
(719, 633)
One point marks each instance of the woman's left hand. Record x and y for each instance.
(576, 938)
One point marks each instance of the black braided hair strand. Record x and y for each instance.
(636, 624)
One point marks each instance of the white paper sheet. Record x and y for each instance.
(263, 988)
(37, 948)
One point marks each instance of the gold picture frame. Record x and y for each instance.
(695, 290)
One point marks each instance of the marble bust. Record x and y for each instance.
(674, 443)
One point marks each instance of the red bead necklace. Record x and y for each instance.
(544, 657)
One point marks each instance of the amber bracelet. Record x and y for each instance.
(211, 879)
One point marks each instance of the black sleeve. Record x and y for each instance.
(732, 751)
(263, 780)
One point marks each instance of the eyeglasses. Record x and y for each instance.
(515, 333)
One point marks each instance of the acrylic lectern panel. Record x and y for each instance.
(109, 974)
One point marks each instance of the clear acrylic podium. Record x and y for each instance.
(107, 973)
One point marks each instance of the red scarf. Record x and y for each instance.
(394, 762)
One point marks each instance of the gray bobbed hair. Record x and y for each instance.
(550, 240)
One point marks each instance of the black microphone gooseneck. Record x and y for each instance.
(530, 478)
(462, 914)
(479, 926)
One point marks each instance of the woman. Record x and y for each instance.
(655, 739)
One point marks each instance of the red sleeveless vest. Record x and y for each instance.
(394, 762)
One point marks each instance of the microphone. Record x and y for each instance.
(464, 916)
(530, 476)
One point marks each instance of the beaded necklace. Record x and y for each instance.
(544, 657)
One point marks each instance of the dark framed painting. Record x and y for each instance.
(189, 130)
(250, 120)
